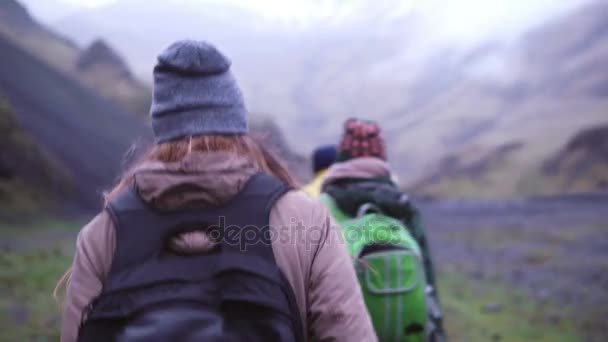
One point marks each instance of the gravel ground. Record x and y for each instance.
(554, 248)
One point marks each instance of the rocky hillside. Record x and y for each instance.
(97, 67)
(474, 173)
(85, 133)
(31, 181)
(582, 164)
(100, 67)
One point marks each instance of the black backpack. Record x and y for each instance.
(235, 292)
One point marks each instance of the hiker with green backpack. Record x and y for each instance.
(385, 238)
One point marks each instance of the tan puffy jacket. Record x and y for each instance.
(317, 267)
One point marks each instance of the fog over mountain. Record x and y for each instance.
(459, 79)
(424, 25)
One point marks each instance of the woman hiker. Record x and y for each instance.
(206, 238)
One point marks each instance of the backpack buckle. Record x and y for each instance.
(368, 208)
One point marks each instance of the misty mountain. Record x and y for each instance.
(555, 94)
(63, 143)
(110, 77)
(276, 63)
(31, 181)
(78, 132)
(582, 164)
(266, 132)
(436, 102)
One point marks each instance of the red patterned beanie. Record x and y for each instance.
(361, 139)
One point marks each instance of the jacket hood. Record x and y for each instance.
(361, 168)
(200, 180)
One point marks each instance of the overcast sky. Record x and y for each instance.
(451, 19)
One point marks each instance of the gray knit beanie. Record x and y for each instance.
(195, 93)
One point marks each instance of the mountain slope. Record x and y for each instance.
(434, 101)
(102, 69)
(107, 77)
(582, 164)
(267, 133)
(31, 182)
(84, 132)
(556, 92)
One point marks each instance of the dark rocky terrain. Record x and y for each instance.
(582, 164)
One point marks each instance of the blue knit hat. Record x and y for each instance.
(323, 157)
(195, 93)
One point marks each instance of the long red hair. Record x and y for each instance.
(240, 145)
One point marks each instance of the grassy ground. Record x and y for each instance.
(28, 280)
(475, 311)
(542, 263)
(31, 262)
(491, 311)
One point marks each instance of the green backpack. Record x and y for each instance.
(391, 273)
